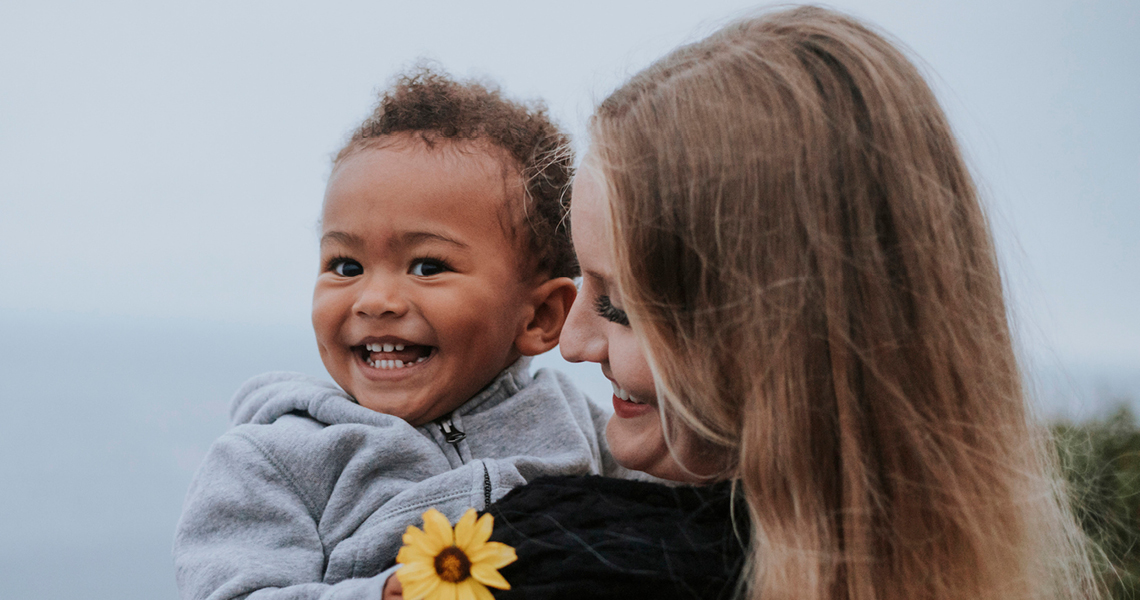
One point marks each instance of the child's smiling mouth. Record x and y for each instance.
(393, 354)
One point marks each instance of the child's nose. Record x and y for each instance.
(382, 296)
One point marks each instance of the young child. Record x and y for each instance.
(445, 264)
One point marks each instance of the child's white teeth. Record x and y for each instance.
(394, 364)
(384, 347)
(389, 364)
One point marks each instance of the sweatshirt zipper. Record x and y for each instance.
(486, 488)
(451, 435)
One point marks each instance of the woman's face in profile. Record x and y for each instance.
(597, 330)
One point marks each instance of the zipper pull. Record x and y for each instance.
(450, 434)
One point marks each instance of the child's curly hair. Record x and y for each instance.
(429, 103)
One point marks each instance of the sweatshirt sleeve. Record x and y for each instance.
(249, 531)
(250, 528)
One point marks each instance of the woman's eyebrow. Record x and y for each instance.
(596, 277)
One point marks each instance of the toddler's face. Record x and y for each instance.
(419, 298)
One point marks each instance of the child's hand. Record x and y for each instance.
(393, 590)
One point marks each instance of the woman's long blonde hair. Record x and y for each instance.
(802, 251)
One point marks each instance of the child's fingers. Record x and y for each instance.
(393, 590)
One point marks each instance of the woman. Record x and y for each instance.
(789, 280)
(787, 270)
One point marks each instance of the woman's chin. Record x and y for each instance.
(638, 443)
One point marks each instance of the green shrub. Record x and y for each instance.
(1101, 461)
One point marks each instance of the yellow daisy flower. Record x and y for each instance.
(441, 564)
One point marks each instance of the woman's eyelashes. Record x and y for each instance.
(345, 267)
(609, 312)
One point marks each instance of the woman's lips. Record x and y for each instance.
(626, 406)
(628, 410)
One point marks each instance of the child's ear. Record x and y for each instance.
(550, 303)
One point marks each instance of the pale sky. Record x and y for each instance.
(162, 166)
(167, 159)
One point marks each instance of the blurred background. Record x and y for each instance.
(162, 166)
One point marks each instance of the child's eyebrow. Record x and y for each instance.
(340, 237)
(412, 238)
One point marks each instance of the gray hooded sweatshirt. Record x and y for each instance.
(309, 494)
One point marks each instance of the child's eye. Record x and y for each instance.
(426, 267)
(346, 267)
(609, 312)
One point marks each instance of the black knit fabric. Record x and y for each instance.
(596, 537)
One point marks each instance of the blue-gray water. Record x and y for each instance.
(108, 418)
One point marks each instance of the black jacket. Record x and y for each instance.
(596, 537)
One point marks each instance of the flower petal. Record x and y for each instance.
(482, 593)
(416, 576)
(483, 529)
(413, 554)
(464, 529)
(437, 527)
(446, 591)
(412, 574)
(414, 537)
(465, 589)
(489, 576)
(419, 590)
(493, 554)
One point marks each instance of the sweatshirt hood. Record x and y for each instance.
(267, 397)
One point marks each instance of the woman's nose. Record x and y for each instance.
(582, 337)
(381, 296)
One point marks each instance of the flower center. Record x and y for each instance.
(452, 565)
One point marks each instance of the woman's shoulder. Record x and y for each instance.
(602, 494)
(598, 537)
